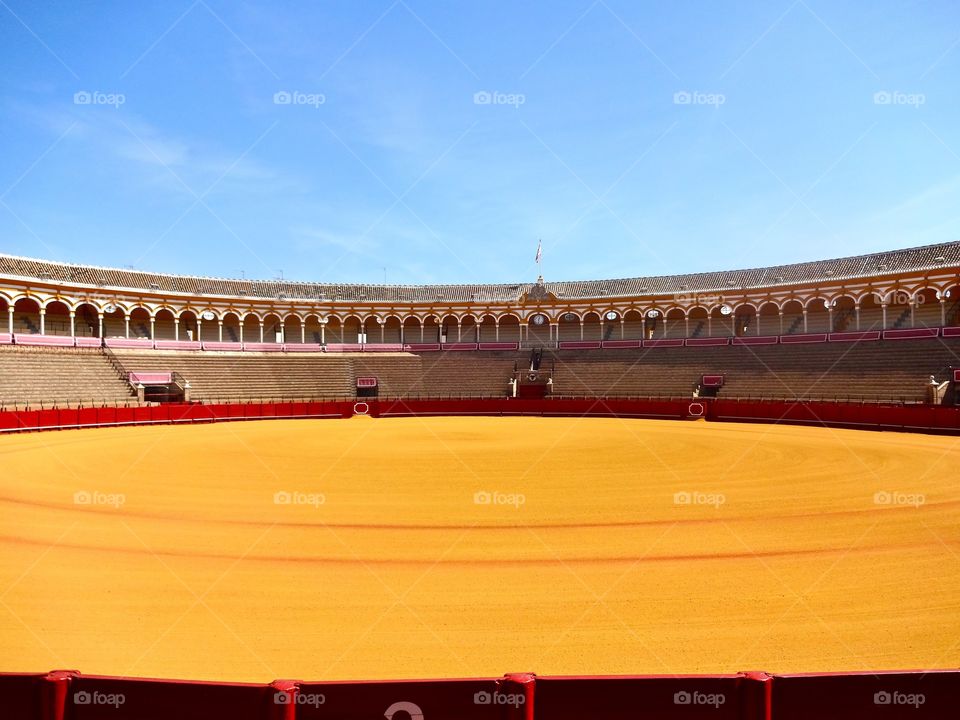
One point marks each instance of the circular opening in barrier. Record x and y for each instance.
(695, 409)
(361, 408)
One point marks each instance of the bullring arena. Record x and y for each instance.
(673, 480)
(391, 568)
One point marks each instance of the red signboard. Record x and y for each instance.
(366, 382)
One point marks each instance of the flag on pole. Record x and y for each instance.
(539, 251)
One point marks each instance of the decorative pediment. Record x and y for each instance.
(537, 294)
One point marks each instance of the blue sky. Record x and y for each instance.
(436, 141)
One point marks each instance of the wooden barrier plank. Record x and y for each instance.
(21, 696)
(107, 698)
(919, 695)
(474, 699)
(722, 697)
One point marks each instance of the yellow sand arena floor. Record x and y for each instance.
(476, 546)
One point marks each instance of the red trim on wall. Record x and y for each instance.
(303, 347)
(580, 345)
(706, 342)
(381, 347)
(859, 336)
(139, 343)
(756, 340)
(663, 342)
(223, 346)
(911, 333)
(617, 344)
(43, 340)
(177, 345)
(803, 338)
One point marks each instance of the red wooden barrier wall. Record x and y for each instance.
(68, 695)
(873, 416)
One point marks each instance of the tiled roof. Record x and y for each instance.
(860, 266)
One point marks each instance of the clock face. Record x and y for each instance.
(653, 314)
(725, 309)
(207, 315)
(569, 317)
(539, 319)
(611, 315)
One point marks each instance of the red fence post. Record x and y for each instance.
(55, 689)
(283, 699)
(524, 685)
(756, 696)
